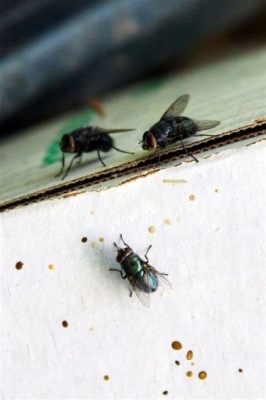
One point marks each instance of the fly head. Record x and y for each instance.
(122, 253)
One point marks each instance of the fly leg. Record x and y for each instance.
(70, 165)
(118, 270)
(121, 151)
(100, 158)
(145, 255)
(158, 153)
(80, 159)
(62, 166)
(123, 277)
(116, 246)
(121, 237)
(188, 152)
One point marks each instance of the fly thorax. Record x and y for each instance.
(161, 131)
(80, 139)
(140, 274)
(132, 265)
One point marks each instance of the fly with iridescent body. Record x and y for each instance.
(173, 128)
(143, 278)
(86, 140)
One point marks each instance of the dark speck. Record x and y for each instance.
(65, 324)
(84, 240)
(177, 362)
(176, 345)
(19, 265)
(165, 392)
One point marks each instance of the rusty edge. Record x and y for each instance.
(143, 165)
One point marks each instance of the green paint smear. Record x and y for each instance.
(149, 86)
(53, 153)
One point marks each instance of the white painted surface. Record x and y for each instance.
(214, 252)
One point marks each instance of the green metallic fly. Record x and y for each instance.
(143, 278)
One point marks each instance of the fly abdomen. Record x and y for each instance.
(185, 127)
(148, 283)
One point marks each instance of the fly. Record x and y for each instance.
(143, 278)
(172, 128)
(85, 140)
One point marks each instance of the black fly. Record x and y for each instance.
(172, 128)
(85, 140)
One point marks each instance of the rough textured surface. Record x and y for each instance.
(71, 331)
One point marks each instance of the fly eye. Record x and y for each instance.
(144, 141)
(149, 141)
(67, 144)
(152, 141)
(120, 256)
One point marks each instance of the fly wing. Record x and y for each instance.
(205, 124)
(117, 130)
(143, 289)
(162, 280)
(137, 287)
(177, 107)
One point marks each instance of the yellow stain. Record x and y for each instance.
(152, 229)
(174, 181)
(95, 245)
